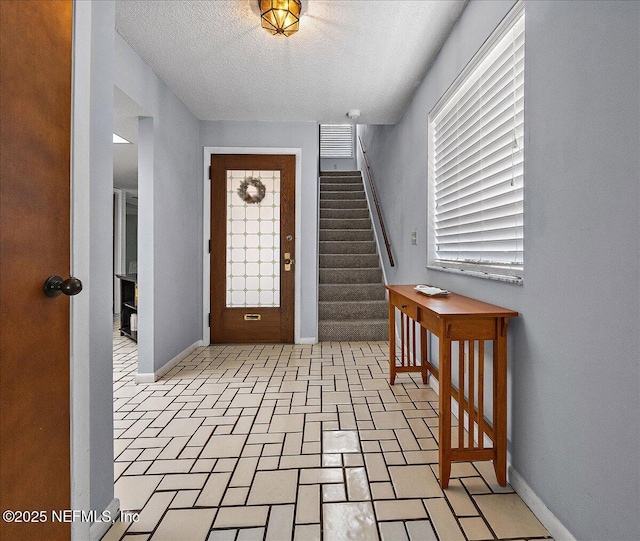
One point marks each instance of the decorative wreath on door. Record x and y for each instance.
(252, 191)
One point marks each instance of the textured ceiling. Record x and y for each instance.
(349, 54)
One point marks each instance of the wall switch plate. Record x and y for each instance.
(414, 238)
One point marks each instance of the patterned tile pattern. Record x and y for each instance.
(281, 442)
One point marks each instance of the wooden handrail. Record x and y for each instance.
(377, 203)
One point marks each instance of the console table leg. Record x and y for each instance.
(444, 428)
(392, 343)
(424, 354)
(500, 402)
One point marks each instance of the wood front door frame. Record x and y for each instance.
(255, 322)
(206, 268)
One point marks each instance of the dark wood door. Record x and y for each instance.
(252, 248)
(35, 141)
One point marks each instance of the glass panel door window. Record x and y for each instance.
(253, 239)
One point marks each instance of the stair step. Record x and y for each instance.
(351, 223)
(369, 330)
(344, 213)
(342, 195)
(339, 180)
(341, 187)
(354, 261)
(351, 310)
(343, 203)
(339, 173)
(351, 292)
(346, 234)
(350, 276)
(347, 247)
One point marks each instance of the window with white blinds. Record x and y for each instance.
(336, 141)
(476, 152)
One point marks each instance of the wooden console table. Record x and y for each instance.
(455, 318)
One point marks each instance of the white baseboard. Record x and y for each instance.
(557, 530)
(308, 340)
(99, 529)
(147, 377)
(434, 384)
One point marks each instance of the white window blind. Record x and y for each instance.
(336, 141)
(476, 153)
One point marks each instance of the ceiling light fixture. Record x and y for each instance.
(280, 16)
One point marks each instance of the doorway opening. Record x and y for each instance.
(208, 152)
(126, 114)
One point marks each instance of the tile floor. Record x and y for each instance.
(282, 442)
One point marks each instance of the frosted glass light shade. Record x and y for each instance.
(280, 16)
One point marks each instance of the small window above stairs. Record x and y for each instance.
(352, 296)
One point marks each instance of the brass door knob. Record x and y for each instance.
(288, 261)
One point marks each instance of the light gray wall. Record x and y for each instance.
(574, 379)
(303, 135)
(101, 255)
(91, 355)
(146, 254)
(338, 164)
(169, 215)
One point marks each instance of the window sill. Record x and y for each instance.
(478, 274)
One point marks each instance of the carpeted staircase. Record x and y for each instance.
(352, 295)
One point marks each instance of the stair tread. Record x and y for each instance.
(355, 321)
(359, 285)
(338, 295)
(342, 183)
(352, 330)
(372, 301)
(346, 244)
(333, 234)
